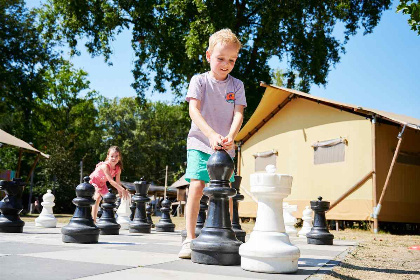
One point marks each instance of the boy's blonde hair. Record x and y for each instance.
(224, 36)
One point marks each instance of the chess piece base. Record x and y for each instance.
(13, 225)
(165, 227)
(139, 228)
(46, 221)
(269, 252)
(77, 234)
(323, 241)
(124, 222)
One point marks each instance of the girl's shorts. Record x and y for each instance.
(197, 166)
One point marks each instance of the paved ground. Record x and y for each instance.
(39, 253)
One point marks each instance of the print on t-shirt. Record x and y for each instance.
(230, 97)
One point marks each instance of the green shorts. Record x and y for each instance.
(197, 166)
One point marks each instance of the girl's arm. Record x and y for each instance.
(121, 190)
(238, 117)
(197, 118)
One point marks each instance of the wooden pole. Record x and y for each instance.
(238, 167)
(351, 190)
(166, 182)
(33, 168)
(391, 168)
(19, 162)
(374, 201)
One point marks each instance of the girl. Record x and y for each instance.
(106, 171)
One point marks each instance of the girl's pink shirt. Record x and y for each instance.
(98, 176)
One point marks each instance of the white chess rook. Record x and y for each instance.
(269, 249)
(46, 218)
(289, 219)
(307, 222)
(124, 213)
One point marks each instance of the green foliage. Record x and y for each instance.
(170, 37)
(411, 8)
(150, 137)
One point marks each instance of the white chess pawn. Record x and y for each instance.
(307, 222)
(269, 249)
(124, 212)
(46, 218)
(289, 219)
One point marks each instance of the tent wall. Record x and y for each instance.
(401, 201)
(291, 132)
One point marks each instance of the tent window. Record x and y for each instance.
(329, 151)
(408, 158)
(265, 158)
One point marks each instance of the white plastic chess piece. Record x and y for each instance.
(307, 221)
(46, 218)
(289, 219)
(124, 212)
(269, 249)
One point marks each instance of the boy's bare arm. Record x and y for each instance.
(197, 118)
(238, 117)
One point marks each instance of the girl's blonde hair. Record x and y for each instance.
(224, 36)
(116, 149)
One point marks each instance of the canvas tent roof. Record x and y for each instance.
(11, 140)
(274, 99)
(181, 182)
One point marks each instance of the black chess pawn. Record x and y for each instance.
(236, 226)
(81, 228)
(319, 234)
(107, 224)
(217, 243)
(201, 219)
(139, 223)
(165, 223)
(149, 213)
(11, 206)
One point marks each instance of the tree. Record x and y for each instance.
(170, 37)
(409, 7)
(150, 136)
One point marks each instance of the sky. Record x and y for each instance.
(378, 71)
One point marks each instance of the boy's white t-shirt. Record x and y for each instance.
(217, 99)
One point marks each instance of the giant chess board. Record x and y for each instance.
(39, 253)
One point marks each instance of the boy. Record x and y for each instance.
(216, 105)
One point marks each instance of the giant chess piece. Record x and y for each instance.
(289, 219)
(11, 206)
(240, 234)
(269, 249)
(165, 223)
(46, 219)
(107, 224)
(81, 228)
(319, 234)
(217, 243)
(149, 213)
(139, 223)
(201, 219)
(124, 213)
(307, 222)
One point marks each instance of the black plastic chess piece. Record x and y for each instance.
(11, 206)
(217, 243)
(236, 226)
(149, 213)
(319, 234)
(139, 223)
(107, 224)
(165, 223)
(132, 209)
(81, 228)
(201, 219)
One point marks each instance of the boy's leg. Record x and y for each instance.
(193, 206)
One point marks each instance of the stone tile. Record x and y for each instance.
(29, 268)
(15, 248)
(109, 256)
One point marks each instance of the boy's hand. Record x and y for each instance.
(228, 143)
(215, 140)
